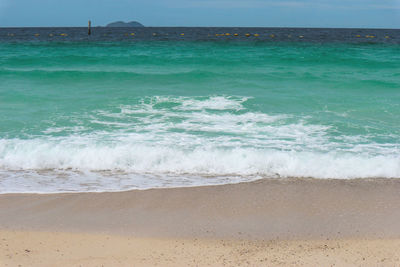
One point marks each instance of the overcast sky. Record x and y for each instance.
(267, 13)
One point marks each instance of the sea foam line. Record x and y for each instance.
(161, 160)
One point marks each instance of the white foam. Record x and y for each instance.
(215, 102)
(195, 141)
(62, 167)
(84, 155)
(83, 164)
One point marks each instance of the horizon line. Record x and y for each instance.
(300, 27)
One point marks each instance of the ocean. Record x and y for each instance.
(137, 108)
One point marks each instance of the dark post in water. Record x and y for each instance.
(89, 27)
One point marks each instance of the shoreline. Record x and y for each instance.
(278, 179)
(288, 222)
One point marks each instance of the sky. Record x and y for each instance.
(240, 13)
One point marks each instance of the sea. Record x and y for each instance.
(139, 108)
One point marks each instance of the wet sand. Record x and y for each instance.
(358, 220)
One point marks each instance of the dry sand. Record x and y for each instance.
(67, 249)
(265, 223)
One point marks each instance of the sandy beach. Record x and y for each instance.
(271, 222)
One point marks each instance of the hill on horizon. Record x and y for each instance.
(125, 24)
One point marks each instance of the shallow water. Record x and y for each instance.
(79, 114)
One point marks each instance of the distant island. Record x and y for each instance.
(125, 24)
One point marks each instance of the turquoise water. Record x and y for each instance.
(115, 116)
